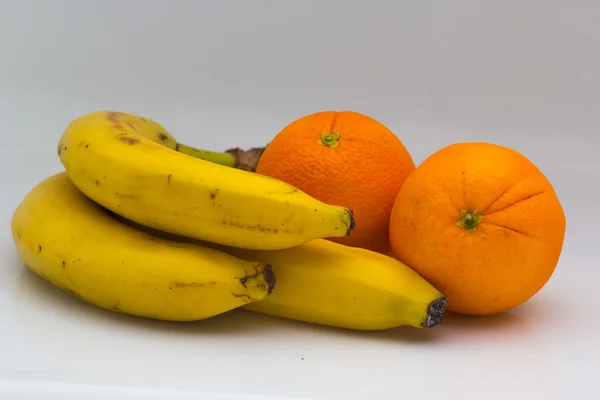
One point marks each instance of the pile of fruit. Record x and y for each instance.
(331, 223)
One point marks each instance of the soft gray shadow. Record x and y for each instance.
(402, 334)
(35, 293)
(508, 325)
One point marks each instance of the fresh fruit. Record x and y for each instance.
(77, 246)
(125, 172)
(343, 158)
(482, 224)
(327, 283)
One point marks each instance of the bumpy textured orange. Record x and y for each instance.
(343, 158)
(482, 224)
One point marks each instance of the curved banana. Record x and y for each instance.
(77, 246)
(119, 168)
(327, 283)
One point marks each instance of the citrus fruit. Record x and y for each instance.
(343, 158)
(482, 224)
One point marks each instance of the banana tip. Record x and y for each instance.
(435, 312)
(264, 274)
(352, 223)
(269, 277)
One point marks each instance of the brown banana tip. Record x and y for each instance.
(269, 277)
(352, 224)
(435, 312)
(246, 160)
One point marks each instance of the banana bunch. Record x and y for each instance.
(143, 225)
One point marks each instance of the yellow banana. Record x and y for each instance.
(327, 283)
(122, 170)
(77, 246)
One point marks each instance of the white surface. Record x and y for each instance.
(519, 73)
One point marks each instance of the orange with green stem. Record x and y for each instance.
(343, 158)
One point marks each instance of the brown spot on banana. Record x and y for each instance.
(127, 196)
(132, 126)
(244, 296)
(192, 285)
(128, 139)
(113, 116)
(261, 228)
(213, 195)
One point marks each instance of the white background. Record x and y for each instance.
(524, 74)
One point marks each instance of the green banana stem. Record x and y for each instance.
(235, 157)
(222, 158)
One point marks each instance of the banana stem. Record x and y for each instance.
(246, 160)
(222, 158)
